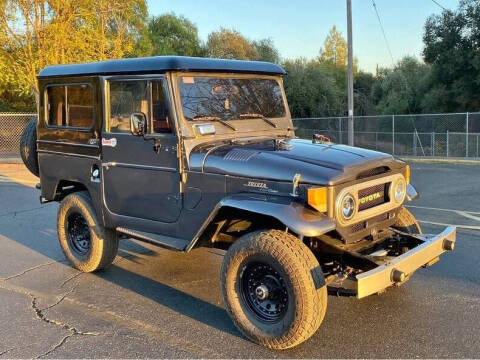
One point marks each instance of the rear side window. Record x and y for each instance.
(70, 106)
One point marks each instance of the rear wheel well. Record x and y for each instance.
(67, 187)
(231, 223)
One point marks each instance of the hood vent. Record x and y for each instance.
(240, 155)
(373, 172)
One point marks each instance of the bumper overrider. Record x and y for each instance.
(399, 269)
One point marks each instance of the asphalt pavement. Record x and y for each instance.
(156, 303)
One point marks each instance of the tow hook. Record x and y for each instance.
(398, 276)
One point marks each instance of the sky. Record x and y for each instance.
(299, 28)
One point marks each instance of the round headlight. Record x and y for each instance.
(347, 207)
(400, 190)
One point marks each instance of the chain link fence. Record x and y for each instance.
(11, 128)
(426, 135)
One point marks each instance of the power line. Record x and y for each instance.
(440, 5)
(383, 32)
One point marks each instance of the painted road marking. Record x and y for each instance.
(440, 209)
(467, 227)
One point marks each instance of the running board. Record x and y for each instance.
(155, 239)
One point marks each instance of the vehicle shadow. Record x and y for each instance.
(36, 229)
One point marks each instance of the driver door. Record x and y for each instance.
(140, 180)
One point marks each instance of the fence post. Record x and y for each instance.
(340, 129)
(376, 140)
(393, 134)
(433, 143)
(466, 140)
(414, 143)
(448, 143)
(477, 146)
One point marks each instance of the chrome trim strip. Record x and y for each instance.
(374, 211)
(68, 154)
(135, 166)
(66, 143)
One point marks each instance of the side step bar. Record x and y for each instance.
(155, 239)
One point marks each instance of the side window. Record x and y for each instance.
(70, 106)
(57, 109)
(80, 106)
(160, 110)
(126, 98)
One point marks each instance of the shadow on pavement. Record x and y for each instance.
(39, 234)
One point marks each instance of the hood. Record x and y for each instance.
(320, 164)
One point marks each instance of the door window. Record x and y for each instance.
(126, 98)
(161, 122)
(139, 96)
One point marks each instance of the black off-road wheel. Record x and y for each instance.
(84, 241)
(273, 289)
(407, 223)
(28, 147)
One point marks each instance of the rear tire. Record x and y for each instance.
(273, 289)
(85, 242)
(406, 222)
(28, 147)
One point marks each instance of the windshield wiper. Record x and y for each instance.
(214, 118)
(259, 116)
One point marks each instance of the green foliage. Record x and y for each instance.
(230, 44)
(173, 35)
(312, 89)
(401, 90)
(266, 51)
(451, 48)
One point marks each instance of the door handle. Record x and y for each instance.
(157, 146)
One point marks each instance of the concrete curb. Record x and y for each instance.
(442, 160)
(11, 160)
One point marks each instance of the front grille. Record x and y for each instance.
(372, 196)
(359, 227)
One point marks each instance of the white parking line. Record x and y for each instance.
(468, 227)
(440, 209)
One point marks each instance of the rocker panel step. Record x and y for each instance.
(155, 239)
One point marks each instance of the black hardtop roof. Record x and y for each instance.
(161, 64)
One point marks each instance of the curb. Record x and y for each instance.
(475, 161)
(11, 160)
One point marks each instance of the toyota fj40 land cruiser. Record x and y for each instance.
(188, 152)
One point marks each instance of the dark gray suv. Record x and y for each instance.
(187, 152)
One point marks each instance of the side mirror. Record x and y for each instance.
(138, 124)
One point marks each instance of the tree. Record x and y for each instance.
(266, 51)
(451, 48)
(230, 44)
(312, 89)
(335, 48)
(173, 35)
(401, 90)
(37, 33)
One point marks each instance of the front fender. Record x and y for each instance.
(293, 214)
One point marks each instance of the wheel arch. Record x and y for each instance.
(264, 212)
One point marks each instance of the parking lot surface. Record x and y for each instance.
(156, 303)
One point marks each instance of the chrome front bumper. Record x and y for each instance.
(400, 268)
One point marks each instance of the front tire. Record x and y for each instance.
(84, 241)
(406, 222)
(273, 289)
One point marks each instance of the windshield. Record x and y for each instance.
(230, 98)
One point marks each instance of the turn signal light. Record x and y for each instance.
(407, 174)
(317, 198)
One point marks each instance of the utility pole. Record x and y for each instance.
(350, 73)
